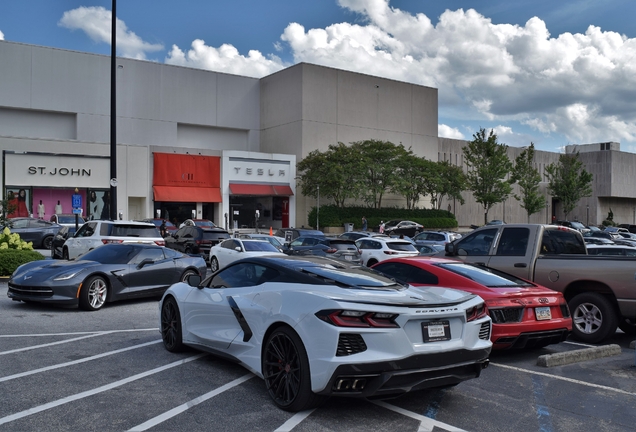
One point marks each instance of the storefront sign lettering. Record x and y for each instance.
(260, 171)
(80, 172)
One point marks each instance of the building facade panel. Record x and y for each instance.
(15, 91)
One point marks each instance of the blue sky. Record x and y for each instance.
(549, 72)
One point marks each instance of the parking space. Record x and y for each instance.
(65, 369)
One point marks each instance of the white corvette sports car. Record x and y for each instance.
(313, 327)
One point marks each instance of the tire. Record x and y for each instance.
(286, 372)
(187, 251)
(46, 242)
(214, 264)
(593, 317)
(372, 262)
(186, 274)
(93, 294)
(65, 254)
(627, 325)
(171, 326)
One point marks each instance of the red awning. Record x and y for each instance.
(186, 194)
(260, 189)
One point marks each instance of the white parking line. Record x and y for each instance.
(91, 335)
(74, 362)
(426, 424)
(95, 391)
(564, 379)
(77, 333)
(196, 401)
(294, 420)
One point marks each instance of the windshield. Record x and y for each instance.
(355, 276)
(486, 276)
(112, 254)
(401, 246)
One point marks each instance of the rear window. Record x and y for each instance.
(401, 246)
(343, 246)
(562, 241)
(355, 276)
(122, 230)
(486, 276)
(215, 235)
(259, 245)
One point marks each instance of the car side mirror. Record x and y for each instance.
(144, 262)
(238, 249)
(450, 249)
(194, 280)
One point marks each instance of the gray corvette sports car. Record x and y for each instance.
(108, 273)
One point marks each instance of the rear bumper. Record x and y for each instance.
(417, 372)
(530, 339)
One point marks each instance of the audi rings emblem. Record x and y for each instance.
(544, 300)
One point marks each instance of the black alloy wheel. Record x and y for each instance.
(286, 372)
(171, 326)
(47, 242)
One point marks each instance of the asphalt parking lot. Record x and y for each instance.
(66, 369)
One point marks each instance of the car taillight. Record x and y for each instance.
(351, 318)
(331, 250)
(160, 242)
(105, 241)
(476, 312)
(389, 252)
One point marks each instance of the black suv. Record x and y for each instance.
(196, 240)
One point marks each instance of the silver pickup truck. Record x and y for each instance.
(600, 291)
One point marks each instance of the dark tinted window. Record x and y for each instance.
(513, 242)
(87, 230)
(155, 254)
(485, 275)
(407, 273)
(401, 246)
(258, 245)
(243, 275)
(477, 243)
(171, 253)
(112, 254)
(133, 231)
(562, 241)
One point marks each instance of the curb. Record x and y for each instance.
(564, 358)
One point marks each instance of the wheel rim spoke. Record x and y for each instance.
(282, 369)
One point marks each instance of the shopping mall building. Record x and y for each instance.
(192, 142)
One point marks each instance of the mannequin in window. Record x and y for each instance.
(58, 208)
(22, 209)
(41, 211)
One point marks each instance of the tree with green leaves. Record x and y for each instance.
(335, 171)
(449, 181)
(488, 165)
(414, 174)
(379, 162)
(527, 176)
(568, 181)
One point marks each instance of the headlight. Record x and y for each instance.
(67, 275)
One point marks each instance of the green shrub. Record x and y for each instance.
(333, 216)
(11, 259)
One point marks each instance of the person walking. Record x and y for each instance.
(381, 227)
(364, 223)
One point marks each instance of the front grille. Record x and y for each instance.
(350, 343)
(506, 315)
(484, 331)
(565, 311)
(30, 291)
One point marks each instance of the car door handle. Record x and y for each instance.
(521, 265)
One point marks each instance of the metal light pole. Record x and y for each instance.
(587, 214)
(547, 211)
(113, 115)
(318, 208)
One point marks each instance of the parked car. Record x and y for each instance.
(574, 225)
(429, 249)
(355, 235)
(37, 231)
(597, 240)
(599, 290)
(203, 223)
(57, 245)
(376, 249)
(405, 227)
(313, 329)
(196, 240)
(109, 273)
(170, 227)
(524, 315)
(496, 222)
(67, 219)
(337, 248)
(275, 241)
(96, 233)
(230, 250)
(436, 237)
(297, 232)
(629, 227)
(611, 250)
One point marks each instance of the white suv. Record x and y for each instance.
(98, 232)
(376, 249)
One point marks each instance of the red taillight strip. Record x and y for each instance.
(361, 319)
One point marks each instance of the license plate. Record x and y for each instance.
(435, 331)
(348, 257)
(542, 313)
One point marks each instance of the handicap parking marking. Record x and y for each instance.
(426, 424)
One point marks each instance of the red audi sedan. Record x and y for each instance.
(524, 315)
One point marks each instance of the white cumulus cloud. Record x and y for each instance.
(1, 36)
(96, 23)
(449, 132)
